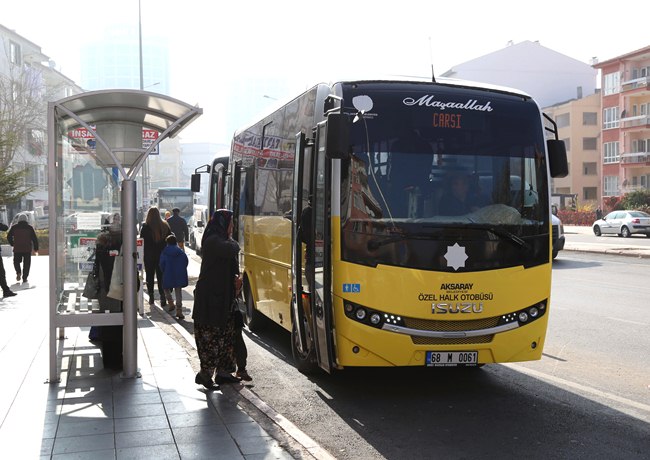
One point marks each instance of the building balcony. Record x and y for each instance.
(633, 159)
(638, 123)
(639, 85)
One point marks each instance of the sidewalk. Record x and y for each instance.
(604, 244)
(94, 413)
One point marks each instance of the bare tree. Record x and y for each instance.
(23, 109)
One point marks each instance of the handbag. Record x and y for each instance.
(91, 288)
(116, 289)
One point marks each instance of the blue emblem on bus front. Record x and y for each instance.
(348, 287)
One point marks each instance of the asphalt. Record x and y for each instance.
(96, 413)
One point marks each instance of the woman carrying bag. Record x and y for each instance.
(216, 288)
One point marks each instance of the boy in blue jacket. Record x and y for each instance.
(173, 263)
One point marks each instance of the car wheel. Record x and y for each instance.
(597, 231)
(625, 232)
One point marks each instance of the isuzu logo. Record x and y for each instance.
(453, 308)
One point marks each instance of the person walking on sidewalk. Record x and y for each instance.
(24, 241)
(173, 262)
(179, 228)
(6, 292)
(153, 233)
(218, 283)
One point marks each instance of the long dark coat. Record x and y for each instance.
(214, 292)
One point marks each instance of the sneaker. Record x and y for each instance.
(244, 375)
(8, 294)
(25, 284)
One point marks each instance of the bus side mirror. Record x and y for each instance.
(196, 183)
(337, 139)
(557, 158)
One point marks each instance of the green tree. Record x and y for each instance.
(638, 199)
(12, 186)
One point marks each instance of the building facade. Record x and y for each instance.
(625, 140)
(28, 81)
(578, 124)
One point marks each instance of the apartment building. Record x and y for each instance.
(625, 139)
(28, 80)
(579, 127)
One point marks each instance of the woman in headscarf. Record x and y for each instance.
(154, 231)
(216, 288)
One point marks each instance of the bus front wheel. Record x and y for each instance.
(253, 317)
(305, 360)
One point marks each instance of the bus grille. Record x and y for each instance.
(451, 326)
(418, 340)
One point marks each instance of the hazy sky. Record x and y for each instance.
(307, 42)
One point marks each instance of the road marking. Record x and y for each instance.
(577, 386)
(626, 321)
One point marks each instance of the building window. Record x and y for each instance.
(610, 117)
(610, 152)
(589, 169)
(612, 84)
(610, 185)
(589, 143)
(589, 118)
(15, 56)
(563, 120)
(589, 193)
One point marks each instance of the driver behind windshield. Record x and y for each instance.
(460, 196)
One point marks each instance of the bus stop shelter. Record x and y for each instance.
(97, 143)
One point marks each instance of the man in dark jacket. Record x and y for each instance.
(23, 238)
(6, 292)
(179, 228)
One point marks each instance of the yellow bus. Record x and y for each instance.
(428, 236)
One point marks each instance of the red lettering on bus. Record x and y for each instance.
(446, 120)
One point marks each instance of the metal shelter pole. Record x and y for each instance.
(129, 261)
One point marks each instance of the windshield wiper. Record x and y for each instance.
(503, 234)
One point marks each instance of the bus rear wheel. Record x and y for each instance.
(305, 360)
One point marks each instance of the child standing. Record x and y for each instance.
(173, 263)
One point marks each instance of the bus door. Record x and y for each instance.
(322, 291)
(301, 337)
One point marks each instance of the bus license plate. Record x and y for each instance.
(451, 358)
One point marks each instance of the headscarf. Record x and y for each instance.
(218, 224)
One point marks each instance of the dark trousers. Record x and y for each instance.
(241, 353)
(3, 276)
(153, 270)
(26, 259)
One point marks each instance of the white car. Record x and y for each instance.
(623, 223)
(558, 235)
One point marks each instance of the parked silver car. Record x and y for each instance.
(623, 223)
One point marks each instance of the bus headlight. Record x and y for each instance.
(360, 314)
(375, 318)
(523, 317)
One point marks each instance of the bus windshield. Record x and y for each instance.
(182, 199)
(429, 170)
